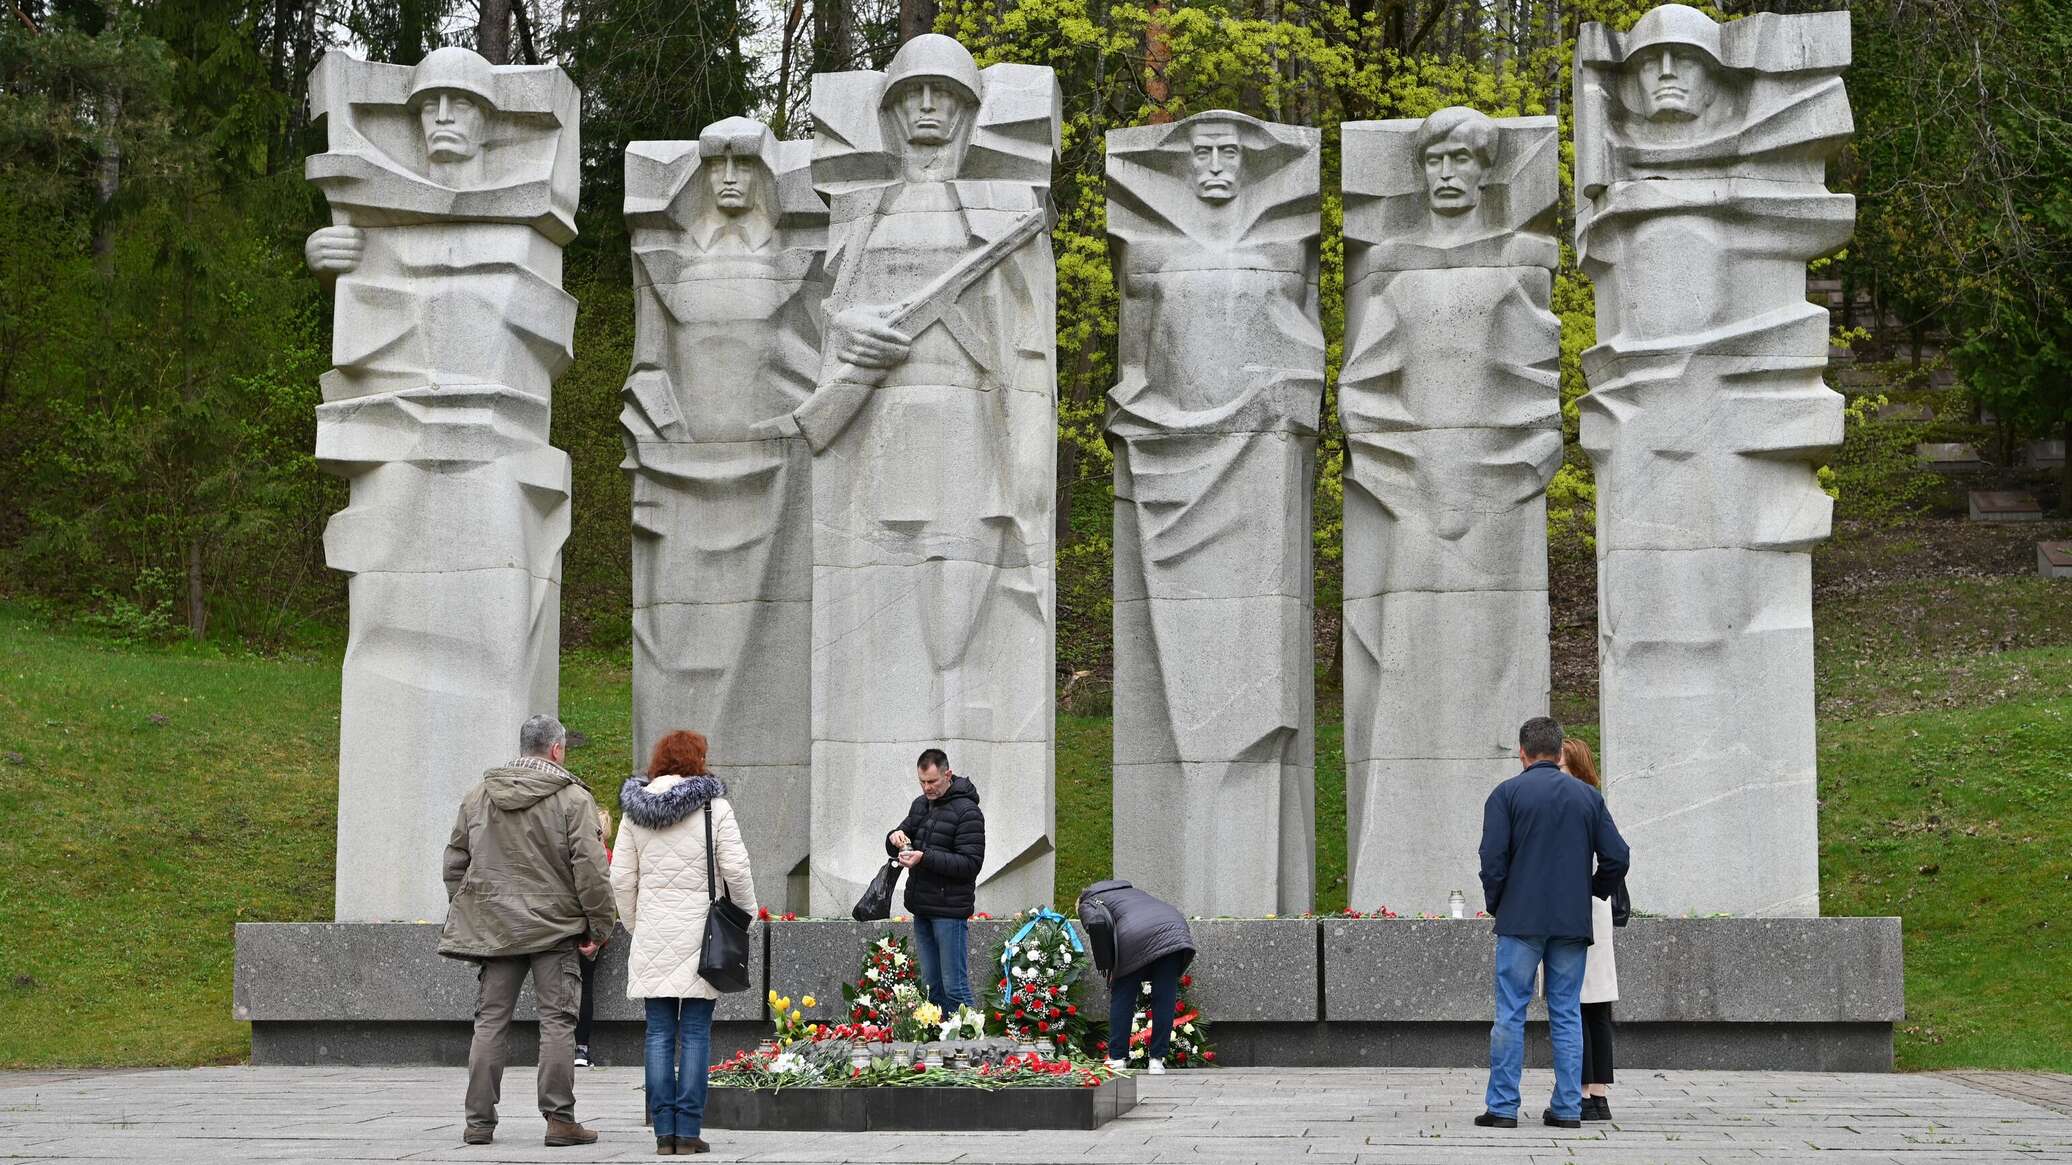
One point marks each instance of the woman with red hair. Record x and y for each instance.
(659, 876)
(1600, 971)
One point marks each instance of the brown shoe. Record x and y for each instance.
(685, 1146)
(665, 1146)
(478, 1135)
(561, 1134)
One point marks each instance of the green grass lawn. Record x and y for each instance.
(155, 797)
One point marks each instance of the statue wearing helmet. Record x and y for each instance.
(452, 187)
(934, 431)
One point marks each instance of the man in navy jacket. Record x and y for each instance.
(1548, 847)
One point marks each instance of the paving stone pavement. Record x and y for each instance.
(1398, 1116)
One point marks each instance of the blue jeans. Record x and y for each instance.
(679, 1053)
(1516, 960)
(945, 963)
(1126, 993)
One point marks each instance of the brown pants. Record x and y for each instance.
(557, 985)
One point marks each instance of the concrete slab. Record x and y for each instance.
(2004, 505)
(1322, 1115)
(1949, 456)
(2054, 559)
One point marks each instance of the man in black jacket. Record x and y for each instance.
(942, 844)
(1548, 847)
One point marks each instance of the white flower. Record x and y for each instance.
(1035, 956)
(871, 974)
(1190, 1029)
(898, 960)
(1146, 990)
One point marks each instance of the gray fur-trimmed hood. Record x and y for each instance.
(660, 802)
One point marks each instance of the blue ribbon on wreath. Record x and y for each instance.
(1041, 916)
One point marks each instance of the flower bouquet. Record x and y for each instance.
(1039, 965)
(888, 987)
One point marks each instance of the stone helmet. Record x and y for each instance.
(741, 136)
(456, 69)
(933, 57)
(1674, 24)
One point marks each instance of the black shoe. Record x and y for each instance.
(1597, 1108)
(1490, 1120)
(1554, 1122)
(582, 1055)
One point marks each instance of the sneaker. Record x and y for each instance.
(1157, 1068)
(582, 1055)
(1116, 1065)
(1490, 1120)
(1558, 1122)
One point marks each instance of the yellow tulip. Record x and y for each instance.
(784, 1004)
(808, 1001)
(773, 997)
(795, 1017)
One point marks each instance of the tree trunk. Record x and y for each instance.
(1158, 57)
(2065, 473)
(493, 33)
(197, 607)
(917, 17)
(107, 184)
(834, 36)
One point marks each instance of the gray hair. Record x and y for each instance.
(1540, 738)
(539, 735)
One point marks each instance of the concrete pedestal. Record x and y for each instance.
(1798, 994)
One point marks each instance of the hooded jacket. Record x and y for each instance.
(1128, 929)
(525, 868)
(951, 835)
(658, 878)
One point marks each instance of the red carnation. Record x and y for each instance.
(1186, 980)
(1042, 1026)
(1101, 1045)
(1072, 1009)
(1209, 1056)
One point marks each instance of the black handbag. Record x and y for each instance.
(876, 903)
(1622, 904)
(723, 960)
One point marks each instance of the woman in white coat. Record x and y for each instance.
(659, 879)
(1600, 970)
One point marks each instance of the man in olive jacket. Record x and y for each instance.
(528, 891)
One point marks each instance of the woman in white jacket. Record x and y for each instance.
(659, 879)
(1600, 970)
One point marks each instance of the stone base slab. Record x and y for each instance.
(963, 1110)
(1817, 994)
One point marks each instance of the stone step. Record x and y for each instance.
(2004, 505)
(2054, 559)
(1949, 457)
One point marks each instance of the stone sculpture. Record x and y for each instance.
(1213, 233)
(934, 437)
(452, 188)
(1451, 403)
(728, 239)
(1700, 197)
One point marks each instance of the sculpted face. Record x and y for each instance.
(1219, 157)
(1453, 175)
(1676, 82)
(734, 182)
(930, 112)
(452, 122)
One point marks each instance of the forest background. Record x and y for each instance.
(160, 338)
